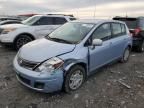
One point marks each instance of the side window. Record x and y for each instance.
(10, 23)
(3, 24)
(72, 19)
(123, 29)
(45, 21)
(58, 20)
(103, 32)
(116, 29)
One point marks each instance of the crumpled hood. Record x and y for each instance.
(13, 26)
(43, 49)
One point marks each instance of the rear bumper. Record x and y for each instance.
(137, 42)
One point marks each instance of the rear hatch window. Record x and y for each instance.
(132, 23)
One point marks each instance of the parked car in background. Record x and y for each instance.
(68, 55)
(10, 22)
(136, 27)
(33, 28)
(9, 18)
(25, 16)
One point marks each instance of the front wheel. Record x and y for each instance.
(126, 55)
(74, 78)
(22, 40)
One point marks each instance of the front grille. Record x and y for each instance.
(27, 64)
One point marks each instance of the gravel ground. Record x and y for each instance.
(114, 86)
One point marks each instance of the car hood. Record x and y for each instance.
(13, 26)
(43, 49)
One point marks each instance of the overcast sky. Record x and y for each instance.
(80, 8)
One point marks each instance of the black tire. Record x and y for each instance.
(126, 55)
(21, 40)
(141, 47)
(72, 71)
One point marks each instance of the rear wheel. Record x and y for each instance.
(126, 55)
(22, 40)
(74, 78)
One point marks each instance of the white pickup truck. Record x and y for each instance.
(33, 28)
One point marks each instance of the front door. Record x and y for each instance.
(100, 55)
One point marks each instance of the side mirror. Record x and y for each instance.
(97, 42)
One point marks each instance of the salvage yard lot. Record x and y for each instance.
(114, 86)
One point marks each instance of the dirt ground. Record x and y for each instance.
(114, 86)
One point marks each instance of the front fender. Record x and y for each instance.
(70, 63)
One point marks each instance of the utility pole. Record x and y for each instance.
(126, 14)
(95, 10)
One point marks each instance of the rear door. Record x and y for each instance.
(118, 40)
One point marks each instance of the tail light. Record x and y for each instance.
(136, 31)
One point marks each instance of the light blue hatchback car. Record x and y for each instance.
(67, 56)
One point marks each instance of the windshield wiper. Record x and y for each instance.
(59, 40)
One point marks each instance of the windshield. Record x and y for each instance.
(30, 21)
(72, 32)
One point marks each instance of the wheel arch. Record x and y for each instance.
(28, 34)
(71, 63)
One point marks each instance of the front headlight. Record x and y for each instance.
(50, 65)
(7, 30)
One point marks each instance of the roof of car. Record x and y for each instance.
(8, 18)
(127, 17)
(10, 21)
(5, 21)
(54, 15)
(96, 21)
